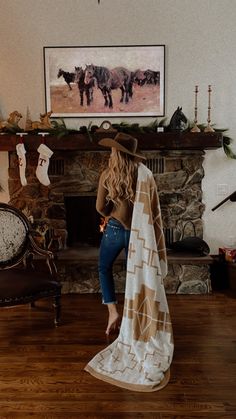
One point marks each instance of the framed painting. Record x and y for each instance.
(105, 81)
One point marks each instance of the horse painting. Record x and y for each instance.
(178, 121)
(68, 77)
(84, 88)
(107, 80)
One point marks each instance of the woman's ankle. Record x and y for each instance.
(113, 319)
(112, 308)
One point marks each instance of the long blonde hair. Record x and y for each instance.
(120, 177)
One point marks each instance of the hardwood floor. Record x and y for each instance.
(41, 367)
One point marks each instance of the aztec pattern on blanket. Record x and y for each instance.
(139, 359)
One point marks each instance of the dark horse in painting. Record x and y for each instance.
(107, 80)
(68, 77)
(178, 121)
(83, 87)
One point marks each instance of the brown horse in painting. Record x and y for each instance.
(107, 80)
(84, 88)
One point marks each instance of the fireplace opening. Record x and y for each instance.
(82, 221)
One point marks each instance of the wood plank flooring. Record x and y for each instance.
(41, 367)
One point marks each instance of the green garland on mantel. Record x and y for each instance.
(225, 142)
(60, 130)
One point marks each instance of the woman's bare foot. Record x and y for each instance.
(113, 319)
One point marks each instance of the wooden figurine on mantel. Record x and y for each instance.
(12, 122)
(43, 124)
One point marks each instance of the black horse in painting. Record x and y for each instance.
(83, 87)
(68, 77)
(178, 121)
(152, 77)
(107, 80)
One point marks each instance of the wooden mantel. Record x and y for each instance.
(147, 141)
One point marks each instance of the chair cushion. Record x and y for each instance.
(23, 284)
(13, 237)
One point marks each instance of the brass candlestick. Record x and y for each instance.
(195, 127)
(208, 127)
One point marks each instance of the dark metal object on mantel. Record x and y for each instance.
(231, 197)
(178, 121)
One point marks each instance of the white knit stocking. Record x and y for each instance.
(20, 149)
(43, 162)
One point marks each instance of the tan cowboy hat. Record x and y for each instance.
(123, 142)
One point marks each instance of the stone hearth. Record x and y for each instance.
(74, 173)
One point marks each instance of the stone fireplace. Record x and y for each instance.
(67, 206)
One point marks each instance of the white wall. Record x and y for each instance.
(200, 39)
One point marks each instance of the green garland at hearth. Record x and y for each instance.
(226, 140)
(60, 130)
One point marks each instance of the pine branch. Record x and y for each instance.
(228, 151)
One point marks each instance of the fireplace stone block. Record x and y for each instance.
(78, 273)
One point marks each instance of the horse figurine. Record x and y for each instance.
(43, 124)
(178, 121)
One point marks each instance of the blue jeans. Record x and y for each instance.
(115, 238)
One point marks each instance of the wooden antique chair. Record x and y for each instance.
(19, 282)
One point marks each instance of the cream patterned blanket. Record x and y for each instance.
(139, 359)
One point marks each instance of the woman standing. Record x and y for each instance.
(115, 199)
(139, 358)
